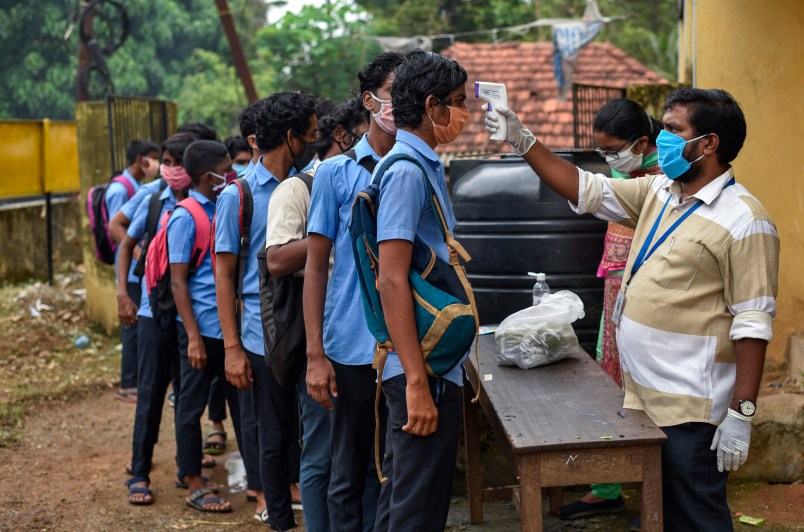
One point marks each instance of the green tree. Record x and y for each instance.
(318, 51)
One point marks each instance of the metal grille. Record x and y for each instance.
(586, 102)
(137, 118)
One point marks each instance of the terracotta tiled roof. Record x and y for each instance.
(526, 68)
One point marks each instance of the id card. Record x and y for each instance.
(618, 309)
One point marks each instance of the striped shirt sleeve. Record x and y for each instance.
(752, 279)
(613, 200)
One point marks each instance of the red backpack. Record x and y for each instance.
(157, 263)
(104, 244)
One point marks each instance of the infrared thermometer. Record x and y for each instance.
(495, 95)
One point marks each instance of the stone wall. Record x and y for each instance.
(23, 237)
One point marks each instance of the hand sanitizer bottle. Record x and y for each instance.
(540, 288)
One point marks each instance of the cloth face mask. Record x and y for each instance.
(176, 177)
(458, 117)
(385, 116)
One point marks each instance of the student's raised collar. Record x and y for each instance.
(363, 149)
(167, 193)
(128, 175)
(417, 144)
(711, 191)
(262, 173)
(200, 198)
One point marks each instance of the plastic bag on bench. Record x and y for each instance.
(540, 334)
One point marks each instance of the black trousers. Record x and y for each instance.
(419, 468)
(693, 490)
(277, 412)
(192, 400)
(157, 359)
(217, 400)
(352, 448)
(248, 441)
(128, 338)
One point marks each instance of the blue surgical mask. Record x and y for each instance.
(671, 149)
(240, 169)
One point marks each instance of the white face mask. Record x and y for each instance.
(625, 162)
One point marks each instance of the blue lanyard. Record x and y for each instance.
(644, 254)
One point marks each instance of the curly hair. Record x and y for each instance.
(422, 74)
(374, 75)
(346, 114)
(280, 112)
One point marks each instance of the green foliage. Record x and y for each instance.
(177, 50)
(319, 51)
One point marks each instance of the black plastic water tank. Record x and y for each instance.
(512, 223)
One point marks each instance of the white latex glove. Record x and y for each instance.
(732, 439)
(521, 139)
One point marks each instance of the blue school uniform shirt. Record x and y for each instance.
(347, 339)
(405, 213)
(129, 210)
(180, 230)
(227, 240)
(136, 231)
(115, 197)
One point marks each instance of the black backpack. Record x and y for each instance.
(282, 310)
(155, 204)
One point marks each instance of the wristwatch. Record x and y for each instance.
(746, 407)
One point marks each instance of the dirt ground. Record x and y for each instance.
(64, 440)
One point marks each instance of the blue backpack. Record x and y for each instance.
(444, 304)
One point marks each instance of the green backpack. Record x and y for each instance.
(444, 304)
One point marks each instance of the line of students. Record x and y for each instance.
(409, 103)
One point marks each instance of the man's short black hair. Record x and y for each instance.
(281, 112)
(422, 74)
(198, 130)
(249, 117)
(176, 144)
(139, 148)
(203, 156)
(236, 145)
(713, 111)
(348, 115)
(374, 75)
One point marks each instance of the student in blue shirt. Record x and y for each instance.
(142, 157)
(340, 348)
(157, 348)
(286, 254)
(423, 412)
(286, 125)
(200, 340)
(240, 152)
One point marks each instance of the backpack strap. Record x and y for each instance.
(125, 182)
(245, 214)
(366, 162)
(307, 179)
(152, 222)
(202, 229)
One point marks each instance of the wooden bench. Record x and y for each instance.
(561, 425)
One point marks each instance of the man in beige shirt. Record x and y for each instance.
(694, 312)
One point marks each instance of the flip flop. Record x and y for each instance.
(215, 447)
(137, 490)
(127, 395)
(211, 463)
(196, 500)
(183, 485)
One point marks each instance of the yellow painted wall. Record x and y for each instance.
(755, 50)
(38, 156)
